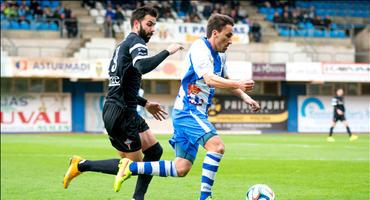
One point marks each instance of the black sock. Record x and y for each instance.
(331, 131)
(153, 153)
(103, 166)
(349, 131)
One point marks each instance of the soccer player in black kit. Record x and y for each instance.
(127, 130)
(339, 110)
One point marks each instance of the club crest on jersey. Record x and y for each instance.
(193, 90)
(128, 143)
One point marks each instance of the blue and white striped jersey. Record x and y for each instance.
(194, 93)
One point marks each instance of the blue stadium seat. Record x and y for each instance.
(52, 26)
(24, 26)
(263, 10)
(318, 33)
(337, 34)
(284, 32)
(42, 26)
(45, 4)
(29, 17)
(5, 24)
(34, 25)
(54, 4)
(302, 33)
(270, 17)
(326, 33)
(301, 25)
(14, 25)
(309, 25)
(333, 26)
(341, 34)
(181, 14)
(310, 32)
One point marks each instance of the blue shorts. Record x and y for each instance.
(191, 129)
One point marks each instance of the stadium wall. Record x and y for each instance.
(81, 79)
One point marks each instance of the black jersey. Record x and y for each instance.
(338, 103)
(124, 78)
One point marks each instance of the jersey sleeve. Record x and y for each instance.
(201, 59)
(138, 50)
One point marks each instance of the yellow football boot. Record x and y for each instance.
(72, 171)
(123, 174)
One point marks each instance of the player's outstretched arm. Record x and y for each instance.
(214, 80)
(146, 65)
(247, 99)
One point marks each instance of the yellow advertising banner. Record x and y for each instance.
(250, 118)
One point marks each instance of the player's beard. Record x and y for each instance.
(146, 36)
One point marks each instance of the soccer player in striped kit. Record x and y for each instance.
(206, 70)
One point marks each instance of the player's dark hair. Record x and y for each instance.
(141, 12)
(218, 22)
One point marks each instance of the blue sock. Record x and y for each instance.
(157, 168)
(209, 170)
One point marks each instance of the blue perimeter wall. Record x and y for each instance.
(78, 90)
(291, 91)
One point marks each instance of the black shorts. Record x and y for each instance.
(123, 127)
(339, 118)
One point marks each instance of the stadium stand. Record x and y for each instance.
(97, 48)
(314, 18)
(269, 41)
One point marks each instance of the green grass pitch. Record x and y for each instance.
(296, 167)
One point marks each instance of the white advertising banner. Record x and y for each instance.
(341, 72)
(35, 112)
(175, 70)
(239, 69)
(59, 67)
(167, 70)
(315, 114)
(5, 65)
(358, 72)
(189, 32)
(303, 71)
(94, 120)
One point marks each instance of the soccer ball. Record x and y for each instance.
(260, 192)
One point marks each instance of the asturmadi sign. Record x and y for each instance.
(343, 72)
(315, 114)
(35, 112)
(59, 67)
(189, 32)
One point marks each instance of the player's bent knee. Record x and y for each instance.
(182, 172)
(220, 148)
(183, 166)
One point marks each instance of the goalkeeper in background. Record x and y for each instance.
(339, 115)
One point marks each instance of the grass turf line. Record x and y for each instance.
(298, 166)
